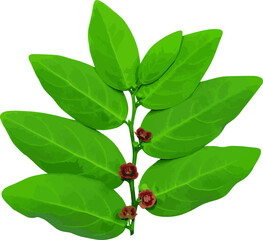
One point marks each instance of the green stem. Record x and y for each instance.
(135, 149)
(133, 200)
(132, 227)
(135, 154)
(131, 122)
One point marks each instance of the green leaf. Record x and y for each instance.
(79, 91)
(189, 126)
(181, 79)
(60, 145)
(71, 203)
(159, 58)
(180, 185)
(113, 48)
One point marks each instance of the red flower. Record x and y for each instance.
(143, 135)
(148, 198)
(128, 171)
(128, 212)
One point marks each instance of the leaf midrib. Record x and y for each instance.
(65, 149)
(161, 83)
(73, 209)
(175, 57)
(80, 91)
(114, 52)
(193, 117)
(194, 179)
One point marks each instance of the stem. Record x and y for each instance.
(131, 122)
(135, 153)
(132, 227)
(133, 200)
(135, 149)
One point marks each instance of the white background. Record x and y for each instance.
(60, 27)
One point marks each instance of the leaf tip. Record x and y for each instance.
(8, 115)
(217, 33)
(255, 82)
(5, 195)
(259, 80)
(257, 152)
(253, 154)
(98, 4)
(29, 57)
(180, 32)
(3, 117)
(33, 57)
(220, 32)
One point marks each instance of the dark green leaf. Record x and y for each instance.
(159, 58)
(113, 48)
(192, 124)
(60, 145)
(80, 92)
(181, 79)
(71, 203)
(183, 184)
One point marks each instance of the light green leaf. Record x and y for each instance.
(70, 203)
(60, 145)
(159, 58)
(182, 184)
(189, 126)
(79, 91)
(181, 79)
(113, 48)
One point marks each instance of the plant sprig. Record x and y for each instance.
(84, 167)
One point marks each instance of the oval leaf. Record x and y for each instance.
(181, 79)
(113, 48)
(159, 58)
(80, 92)
(60, 145)
(70, 203)
(180, 185)
(189, 126)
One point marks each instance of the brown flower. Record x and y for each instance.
(147, 198)
(143, 135)
(128, 212)
(128, 171)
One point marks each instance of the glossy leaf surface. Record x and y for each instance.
(183, 184)
(159, 58)
(181, 79)
(113, 48)
(80, 92)
(189, 126)
(70, 203)
(60, 145)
